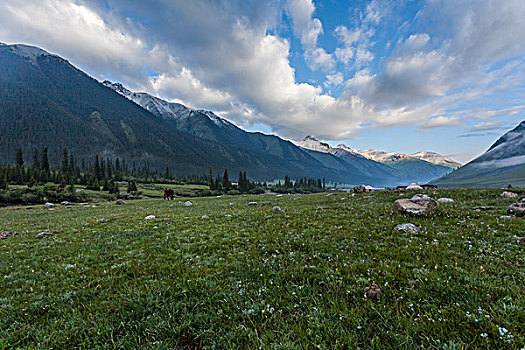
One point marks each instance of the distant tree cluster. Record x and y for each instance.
(222, 184)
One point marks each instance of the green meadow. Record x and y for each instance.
(223, 274)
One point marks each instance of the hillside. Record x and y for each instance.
(48, 102)
(502, 164)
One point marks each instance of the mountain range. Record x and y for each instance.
(501, 165)
(47, 102)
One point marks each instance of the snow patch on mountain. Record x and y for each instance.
(165, 109)
(26, 51)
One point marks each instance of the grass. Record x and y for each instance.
(248, 277)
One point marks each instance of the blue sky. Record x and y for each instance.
(405, 76)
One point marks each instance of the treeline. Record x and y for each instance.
(101, 173)
(105, 174)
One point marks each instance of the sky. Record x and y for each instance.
(408, 75)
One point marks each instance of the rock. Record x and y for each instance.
(508, 194)
(144, 197)
(505, 217)
(277, 209)
(7, 234)
(407, 228)
(252, 203)
(120, 202)
(78, 190)
(414, 186)
(517, 208)
(373, 291)
(49, 205)
(445, 200)
(149, 217)
(44, 234)
(322, 208)
(205, 217)
(484, 208)
(420, 204)
(188, 204)
(65, 203)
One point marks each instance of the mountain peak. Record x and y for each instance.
(26, 51)
(311, 143)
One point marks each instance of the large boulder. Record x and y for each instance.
(517, 208)
(420, 204)
(508, 194)
(188, 204)
(49, 205)
(120, 202)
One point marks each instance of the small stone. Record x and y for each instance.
(188, 204)
(44, 234)
(445, 200)
(322, 208)
(507, 194)
(120, 202)
(49, 205)
(373, 291)
(407, 228)
(205, 217)
(149, 217)
(484, 208)
(7, 234)
(252, 203)
(65, 203)
(505, 217)
(507, 277)
(277, 209)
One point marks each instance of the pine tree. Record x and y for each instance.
(96, 169)
(245, 181)
(36, 159)
(226, 184)
(64, 165)
(211, 184)
(45, 163)
(19, 157)
(3, 181)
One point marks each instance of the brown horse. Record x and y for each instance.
(169, 194)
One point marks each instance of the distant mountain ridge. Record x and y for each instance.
(502, 164)
(401, 167)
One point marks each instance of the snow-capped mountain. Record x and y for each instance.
(392, 157)
(403, 167)
(502, 164)
(164, 109)
(436, 158)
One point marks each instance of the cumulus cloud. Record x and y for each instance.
(304, 26)
(226, 56)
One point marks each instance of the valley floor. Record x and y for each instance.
(224, 274)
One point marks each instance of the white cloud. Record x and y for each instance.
(333, 80)
(318, 58)
(305, 27)
(232, 62)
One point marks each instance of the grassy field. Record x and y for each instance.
(248, 277)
